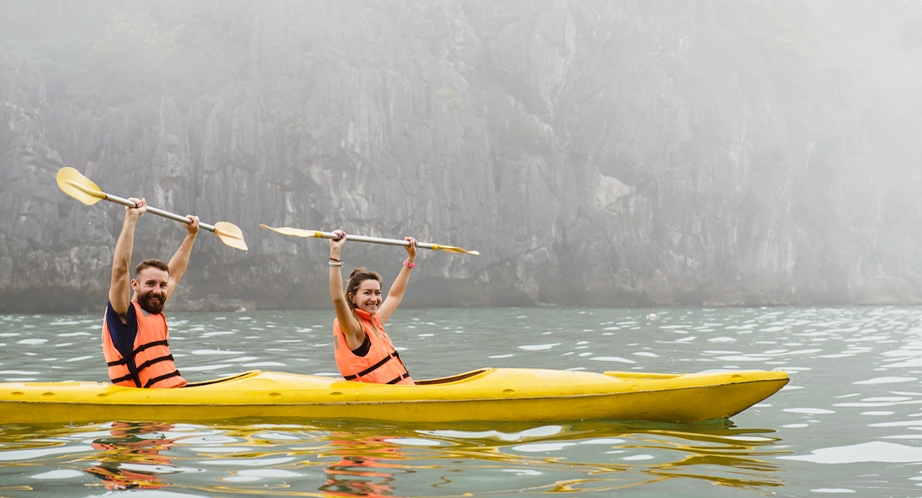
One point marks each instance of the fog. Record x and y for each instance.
(596, 153)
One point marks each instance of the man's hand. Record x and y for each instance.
(192, 228)
(139, 209)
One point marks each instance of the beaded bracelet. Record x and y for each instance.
(336, 263)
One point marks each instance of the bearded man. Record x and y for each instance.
(135, 333)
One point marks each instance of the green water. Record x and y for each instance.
(848, 424)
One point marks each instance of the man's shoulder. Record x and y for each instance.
(121, 323)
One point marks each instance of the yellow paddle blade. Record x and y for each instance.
(458, 250)
(230, 234)
(72, 183)
(295, 232)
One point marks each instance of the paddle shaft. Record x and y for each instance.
(375, 240)
(317, 234)
(159, 212)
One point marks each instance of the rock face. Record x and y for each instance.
(597, 153)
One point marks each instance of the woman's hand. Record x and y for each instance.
(336, 245)
(411, 249)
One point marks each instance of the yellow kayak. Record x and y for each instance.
(486, 395)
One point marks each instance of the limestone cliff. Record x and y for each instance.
(628, 153)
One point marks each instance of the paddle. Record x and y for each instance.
(84, 190)
(298, 232)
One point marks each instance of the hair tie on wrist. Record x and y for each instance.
(336, 260)
(408, 264)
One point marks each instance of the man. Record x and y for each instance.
(134, 333)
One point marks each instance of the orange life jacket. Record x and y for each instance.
(150, 363)
(381, 365)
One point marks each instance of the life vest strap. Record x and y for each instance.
(125, 377)
(174, 373)
(136, 374)
(399, 378)
(148, 363)
(134, 353)
(375, 367)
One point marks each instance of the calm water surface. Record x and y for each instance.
(848, 424)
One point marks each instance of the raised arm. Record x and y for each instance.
(347, 321)
(120, 285)
(180, 259)
(399, 287)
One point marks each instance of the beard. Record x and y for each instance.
(147, 304)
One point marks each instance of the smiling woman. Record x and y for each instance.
(363, 349)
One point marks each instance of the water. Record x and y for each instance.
(848, 424)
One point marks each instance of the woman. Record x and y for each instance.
(364, 351)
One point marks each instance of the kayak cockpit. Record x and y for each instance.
(453, 378)
(426, 382)
(244, 375)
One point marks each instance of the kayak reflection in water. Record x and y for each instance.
(364, 351)
(131, 456)
(362, 469)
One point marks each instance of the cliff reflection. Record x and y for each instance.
(731, 457)
(610, 456)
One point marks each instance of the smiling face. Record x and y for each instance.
(367, 296)
(150, 289)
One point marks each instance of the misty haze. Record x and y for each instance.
(595, 153)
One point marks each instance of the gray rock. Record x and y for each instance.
(596, 153)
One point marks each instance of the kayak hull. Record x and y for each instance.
(491, 394)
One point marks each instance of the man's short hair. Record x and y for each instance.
(148, 263)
